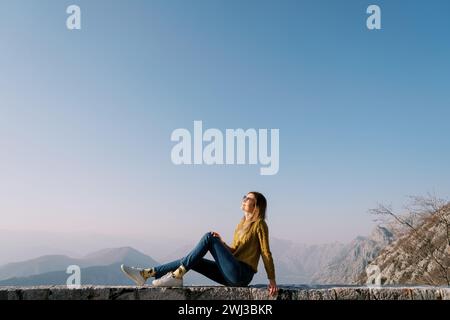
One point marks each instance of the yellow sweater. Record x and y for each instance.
(254, 244)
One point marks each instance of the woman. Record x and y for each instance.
(233, 266)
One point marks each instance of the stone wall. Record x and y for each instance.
(223, 293)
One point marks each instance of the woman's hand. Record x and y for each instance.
(273, 289)
(215, 234)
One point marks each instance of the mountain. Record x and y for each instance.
(332, 263)
(347, 267)
(98, 275)
(59, 263)
(421, 256)
(37, 266)
(296, 263)
(125, 255)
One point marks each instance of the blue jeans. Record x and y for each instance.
(226, 269)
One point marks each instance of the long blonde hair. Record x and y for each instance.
(244, 225)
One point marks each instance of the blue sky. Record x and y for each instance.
(86, 116)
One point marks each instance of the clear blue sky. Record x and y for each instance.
(86, 116)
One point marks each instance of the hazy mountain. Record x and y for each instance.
(294, 263)
(37, 266)
(353, 260)
(126, 255)
(50, 263)
(421, 256)
(21, 245)
(98, 275)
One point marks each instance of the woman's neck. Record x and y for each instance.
(248, 215)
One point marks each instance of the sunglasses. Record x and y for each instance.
(245, 199)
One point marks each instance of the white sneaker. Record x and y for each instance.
(168, 280)
(134, 274)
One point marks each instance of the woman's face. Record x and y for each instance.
(248, 202)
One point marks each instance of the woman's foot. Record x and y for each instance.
(168, 280)
(135, 274)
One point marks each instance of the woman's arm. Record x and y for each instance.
(263, 236)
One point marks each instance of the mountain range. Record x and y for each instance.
(100, 267)
(294, 264)
(421, 256)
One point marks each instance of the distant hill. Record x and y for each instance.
(46, 267)
(347, 267)
(37, 266)
(296, 263)
(98, 275)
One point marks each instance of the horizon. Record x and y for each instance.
(73, 249)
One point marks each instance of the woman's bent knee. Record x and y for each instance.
(207, 236)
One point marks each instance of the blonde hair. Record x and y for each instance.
(244, 225)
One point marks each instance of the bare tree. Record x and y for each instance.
(420, 212)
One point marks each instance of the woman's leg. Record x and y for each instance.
(165, 268)
(205, 267)
(231, 269)
(211, 270)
